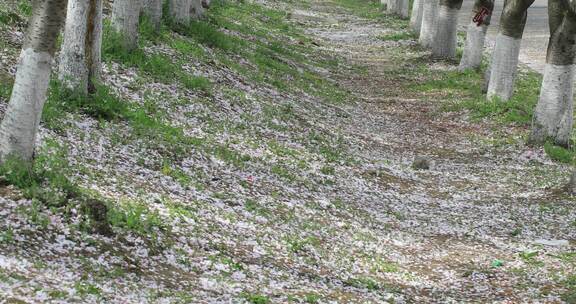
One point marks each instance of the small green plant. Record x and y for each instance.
(84, 288)
(196, 83)
(135, 217)
(7, 236)
(364, 283)
(25, 7)
(46, 179)
(312, 298)
(398, 36)
(255, 298)
(559, 154)
(205, 33)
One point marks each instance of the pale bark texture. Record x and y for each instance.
(179, 10)
(20, 124)
(399, 7)
(416, 17)
(444, 42)
(196, 9)
(476, 34)
(553, 117)
(428, 29)
(504, 63)
(153, 9)
(80, 57)
(125, 18)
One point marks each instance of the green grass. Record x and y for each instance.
(363, 283)
(146, 122)
(398, 36)
(46, 179)
(560, 154)
(159, 67)
(255, 298)
(363, 8)
(463, 90)
(135, 217)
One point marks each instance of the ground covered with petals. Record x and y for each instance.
(265, 155)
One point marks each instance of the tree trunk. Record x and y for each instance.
(399, 7)
(476, 34)
(196, 9)
(20, 125)
(444, 43)
(553, 117)
(429, 12)
(153, 9)
(179, 10)
(125, 17)
(81, 51)
(504, 63)
(416, 17)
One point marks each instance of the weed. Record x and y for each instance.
(135, 217)
(255, 298)
(46, 179)
(363, 282)
(397, 36)
(559, 154)
(7, 236)
(311, 298)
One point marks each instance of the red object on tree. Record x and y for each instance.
(481, 16)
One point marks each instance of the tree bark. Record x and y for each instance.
(553, 117)
(20, 124)
(399, 7)
(125, 17)
(429, 13)
(80, 57)
(416, 17)
(153, 9)
(476, 35)
(196, 9)
(444, 42)
(504, 62)
(179, 10)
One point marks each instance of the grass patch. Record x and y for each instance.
(46, 179)
(105, 106)
(559, 154)
(398, 36)
(363, 283)
(135, 217)
(255, 298)
(463, 90)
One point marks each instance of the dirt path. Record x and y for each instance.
(480, 204)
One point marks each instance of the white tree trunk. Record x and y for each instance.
(504, 67)
(125, 17)
(444, 42)
(399, 7)
(428, 29)
(392, 6)
(179, 10)
(80, 58)
(474, 47)
(20, 124)
(153, 9)
(196, 9)
(404, 8)
(416, 17)
(554, 112)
